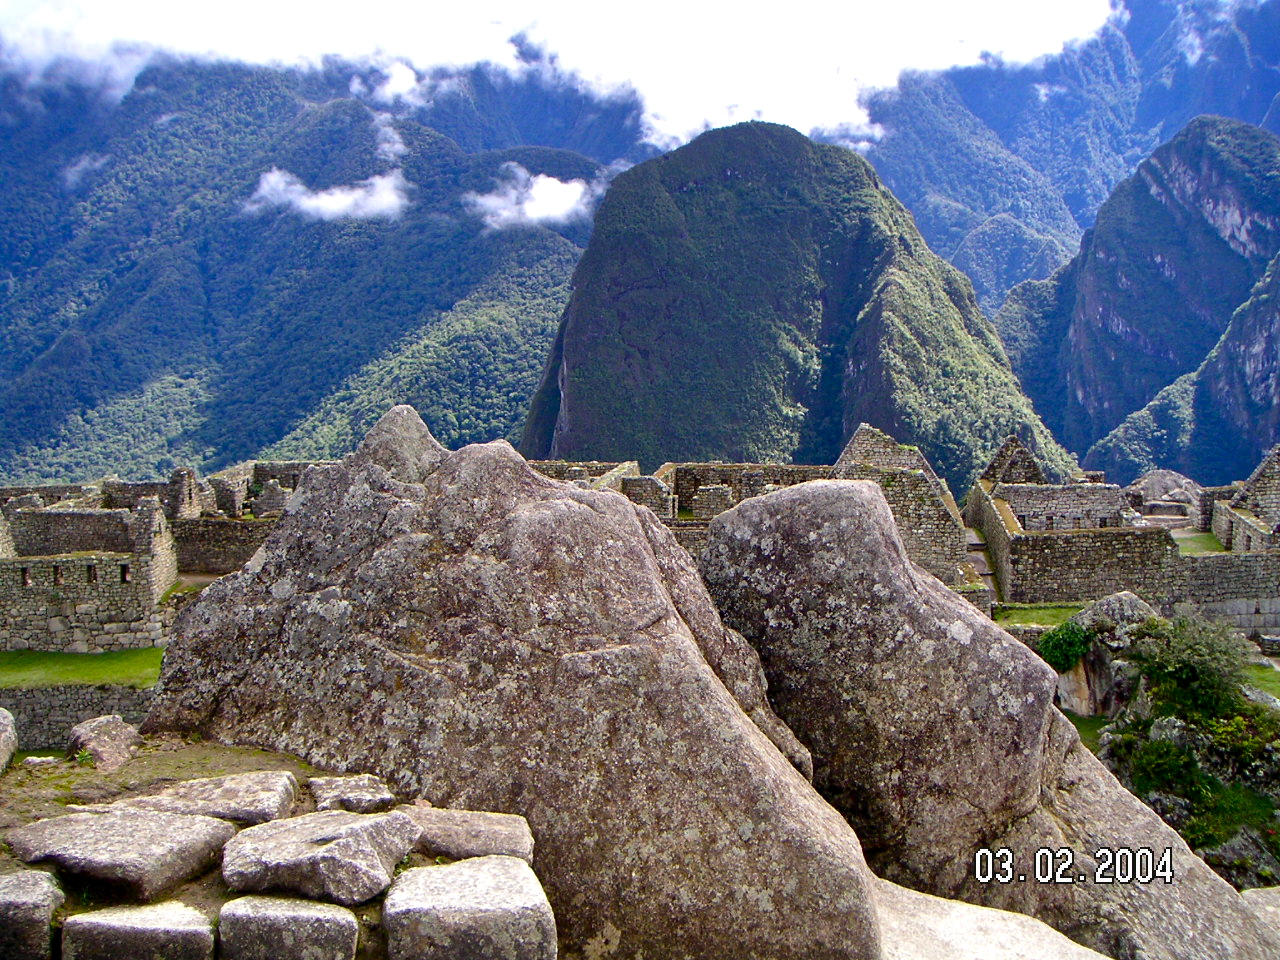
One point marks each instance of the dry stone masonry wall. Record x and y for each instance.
(44, 715)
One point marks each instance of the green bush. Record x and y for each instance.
(1064, 645)
(1192, 664)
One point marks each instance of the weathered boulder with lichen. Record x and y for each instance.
(934, 731)
(1102, 681)
(488, 638)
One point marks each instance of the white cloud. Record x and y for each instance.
(391, 145)
(696, 65)
(522, 198)
(74, 173)
(383, 196)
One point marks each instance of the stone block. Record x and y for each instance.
(282, 928)
(109, 740)
(363, 793)
(461, 834)
(162, 931)
(28, 900)
(251, 798)
(475, 909)
(58, 624)
(142, 851)
(331, 855)
(8, 738)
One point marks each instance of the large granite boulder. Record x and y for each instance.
(487, 638)
(935, 733)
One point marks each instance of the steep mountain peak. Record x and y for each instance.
(754, 296)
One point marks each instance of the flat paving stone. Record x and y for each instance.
(363, 793)
(250, 798)
(284, 928)
(485, 908)
(144, 852)
(161, 931)
(330, 855)
(28, 901)
(461, 834)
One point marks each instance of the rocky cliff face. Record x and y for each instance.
(753, 296)
(1176, 248)
(1003, 165)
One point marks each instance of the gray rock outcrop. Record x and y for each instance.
(143, 852)
(108, 740)
(487, 638)
(8, 738)
(934, 731)
(331, 855)
(1265, 902)
(1103, 682)
(362, 793)
(477, 909)
(459, 834)
(250, 798)
(282, 928)
(28, 901)
(161, 931)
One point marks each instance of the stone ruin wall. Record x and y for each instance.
(1209, 496)
(1080, 506)
(744, 479)
(1240, 588)
(1049, 567)
(982, 513)
(44, 715)
(1241, 531)
(1261, 492)
(42, 533)
(652, 493)
(217, 544)
(288, 473)
(932, 534)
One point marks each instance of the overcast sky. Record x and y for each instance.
(695, 64)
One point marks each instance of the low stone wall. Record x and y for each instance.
(1090, 564)
(44, 715)
(690, 534)
(1075, 506)
(652, 493)
(40, 533)
(1240, 588)
(217, 544)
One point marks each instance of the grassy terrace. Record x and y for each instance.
(1041, 614)
(1193, 541)
(1266, 679)
(1089, 728)
(126, 668)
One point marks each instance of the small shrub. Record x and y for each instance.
(84, 758)
(1064, 645)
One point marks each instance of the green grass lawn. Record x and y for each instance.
(127, 668)
(1045, 614)
(1193, 541)
(1089, 728)
(1264, 678)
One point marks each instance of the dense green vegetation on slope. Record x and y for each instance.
(1003, 165)
(149, 315)
(754, 296)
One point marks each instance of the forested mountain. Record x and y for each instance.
(1004, 166)
(191, 274)
(755, 295)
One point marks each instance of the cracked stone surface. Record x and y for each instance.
(484, 908)
(28, 900)
(487, 638)
(283, 928)
(144, 852)
(330, 855)
(934, 731)
(459, 834)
